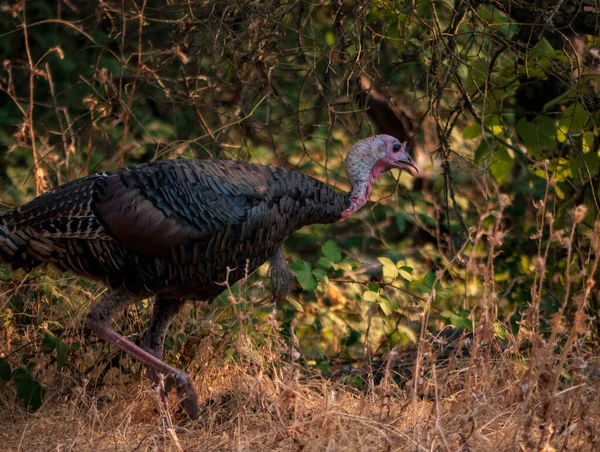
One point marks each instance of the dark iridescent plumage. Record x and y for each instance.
(181, 230)
(170, 227)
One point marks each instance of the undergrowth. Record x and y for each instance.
(468, 386)
(455, 311)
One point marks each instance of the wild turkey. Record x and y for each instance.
(182, 229)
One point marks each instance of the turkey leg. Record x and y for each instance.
(281, 279)
(98, 320)
(165, 309)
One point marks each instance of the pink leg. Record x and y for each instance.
(98, 320)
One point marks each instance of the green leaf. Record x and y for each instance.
(591, 163)
(29, 390)
(527, 132)
(169, 343)
(429, 280)
(370, 296)
(427, 219)
(5, 372)
(477, 73)
(542, 48)
(503, 164)
(385, 261)
(408, 334)
(330, 38)
(302, 271)
(62, 352)
(352, 338)
(390, 272)
(546, 131)
(472, 131)
(573, 120)
(482, 151)
(587, 142)
(401, 222)
(561, 133)
(405, 272)
(457, 320)
(324, 262)
(500, 330)
(48, 343)
(350, 264)
(387, 305)
(331, 251)
(180, 339)
(374, 287)
(320, 275)
(584, 164)
(532, 71)
(580, 118)
(296, 304)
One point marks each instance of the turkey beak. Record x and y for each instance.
(406, 163)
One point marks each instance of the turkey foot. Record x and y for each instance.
(185, 389)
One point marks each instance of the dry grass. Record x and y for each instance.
(457, 404)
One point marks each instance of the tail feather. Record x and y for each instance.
(13, 249)
(7, 247)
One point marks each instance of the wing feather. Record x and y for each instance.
(151, 209)
(153, 223)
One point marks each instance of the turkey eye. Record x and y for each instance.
(396, 147)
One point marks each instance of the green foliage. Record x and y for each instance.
(30, 391)
(331, 252)
(504, 119)
(389, 269)
(370, 296)
(51, 343)
(459, 320)
(304, 274)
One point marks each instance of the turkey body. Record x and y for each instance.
(182, 229)
(179, 228)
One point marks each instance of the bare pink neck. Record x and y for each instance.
(359, 193)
